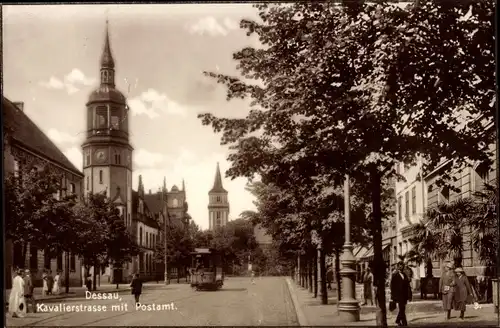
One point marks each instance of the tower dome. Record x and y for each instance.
(107, 92)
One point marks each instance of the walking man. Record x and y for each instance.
(400, 293)
(136, 286)
(28, 291)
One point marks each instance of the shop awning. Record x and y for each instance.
(358, 253)
(368, 255)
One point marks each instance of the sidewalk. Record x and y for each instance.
(311, 312)
(76, 292)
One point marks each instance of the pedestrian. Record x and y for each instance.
(368, 286)
(447, 284)
(45, 288)
(88, 282)
(17, 302)
(464, 293)
(136, 288)
(329, 278)
(400, 293)
(50, 282)
(252, 280)
(28, 291)
(57, 284)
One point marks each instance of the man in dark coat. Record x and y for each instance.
(136, 286)
(400, 293)
(28, 291)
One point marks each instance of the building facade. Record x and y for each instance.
(468, 181)
(411, 203)
(218, 204)
(25, 145)
(420, 192)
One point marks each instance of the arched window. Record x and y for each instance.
(218, 215)
(117, 158)
(72, 188)
(115, 118)
(88, 182)
(100, 176)
(140, 236)
(101, 114)
(218, 199)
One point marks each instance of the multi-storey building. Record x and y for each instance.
(420, 192)
(218, 205)
(25, 145)
(410, 209)
(467, 181)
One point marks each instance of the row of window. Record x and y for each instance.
(407, 204)
(18, 259)
(150, 239)
(102, 116)
(147, 263)
(480, 175)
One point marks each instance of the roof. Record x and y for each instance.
(154, 202)
(218, 181)
(107, 56)
(143, 218)
(28, 134)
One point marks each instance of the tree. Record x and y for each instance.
(102, 238)
(121, 246)
(346, 90)
(483, 226)
(34, 215)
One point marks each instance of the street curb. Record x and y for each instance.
(298, 310)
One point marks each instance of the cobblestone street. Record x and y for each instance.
(237, 303)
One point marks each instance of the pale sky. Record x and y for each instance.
(51, 62)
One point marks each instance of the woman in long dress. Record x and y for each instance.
(45, 289)
(57, 284)
(368, 287)
(463, 292)
(17, 303)
(447, 284)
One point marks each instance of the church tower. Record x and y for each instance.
(218, 205)
(107, 153)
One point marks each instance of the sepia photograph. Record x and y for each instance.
(304, 163)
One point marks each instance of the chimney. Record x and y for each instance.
(150, 191)
(19, 104)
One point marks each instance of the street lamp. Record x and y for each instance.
(348, 305)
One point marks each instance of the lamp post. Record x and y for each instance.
(165, 229)
(348, 305)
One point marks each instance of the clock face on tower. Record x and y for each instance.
(100, 155)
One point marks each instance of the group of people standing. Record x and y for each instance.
(51, 285)
(21, 294)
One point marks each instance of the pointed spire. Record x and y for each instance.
(183, 185)
(218, 181)
(107, 57)
(164, 184)
(140, 188)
